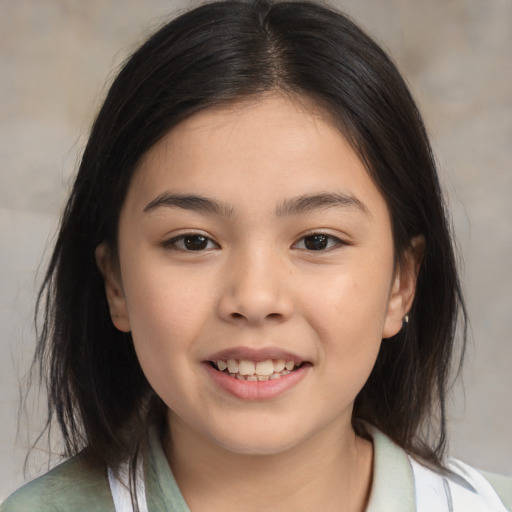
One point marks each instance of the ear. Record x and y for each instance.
(404, 287)
(113, 288)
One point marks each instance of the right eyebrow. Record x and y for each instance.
(189, 202)
(307, 203)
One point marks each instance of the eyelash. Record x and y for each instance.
(173, 242)
(336, 242)
(329, 239)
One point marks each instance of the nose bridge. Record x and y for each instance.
(256, 289)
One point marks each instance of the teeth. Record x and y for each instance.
(265, 368)
(279, 365)
(232, 366)
(245, 369)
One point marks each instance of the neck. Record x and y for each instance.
(330, 472)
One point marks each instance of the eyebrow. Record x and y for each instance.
(295, 206)
(190, 202)
(307, 203)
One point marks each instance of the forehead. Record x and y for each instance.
(269, 148)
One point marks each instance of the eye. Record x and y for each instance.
(191, 242)
(317, 242)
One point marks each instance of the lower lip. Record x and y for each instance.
(257, 390)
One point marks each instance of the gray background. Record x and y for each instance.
(55, 57)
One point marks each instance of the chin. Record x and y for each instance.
(254, 447)
(257, 441)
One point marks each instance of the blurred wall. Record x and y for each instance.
(55, 57)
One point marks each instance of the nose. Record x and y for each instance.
(256, 290)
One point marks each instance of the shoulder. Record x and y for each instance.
(466, 488)
(401, 482)
(502, 485)
(73, 485)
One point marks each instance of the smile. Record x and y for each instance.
(252, 371)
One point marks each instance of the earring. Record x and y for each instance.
(405, 321)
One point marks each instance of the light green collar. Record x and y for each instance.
(392, 486)
(162, 491)
(393, 480)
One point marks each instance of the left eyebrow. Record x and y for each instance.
(304, 204)
(189, 202)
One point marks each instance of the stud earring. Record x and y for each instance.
(405, 321)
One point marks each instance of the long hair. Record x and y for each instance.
(217, 53)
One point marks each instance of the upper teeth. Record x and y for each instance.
(261, 368)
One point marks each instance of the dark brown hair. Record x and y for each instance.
(221, 52)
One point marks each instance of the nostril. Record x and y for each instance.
(270, 316)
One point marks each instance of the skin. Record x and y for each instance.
(255, 283)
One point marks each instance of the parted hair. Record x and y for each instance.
(214, 54)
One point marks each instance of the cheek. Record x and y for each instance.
(167, 310)
(350, 332)
(154, 309)
(347, 311)
(349, 305)
(167, 315)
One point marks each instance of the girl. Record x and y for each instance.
(253, 297)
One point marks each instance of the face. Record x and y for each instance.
(257, 275)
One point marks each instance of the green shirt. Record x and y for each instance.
(75, 486)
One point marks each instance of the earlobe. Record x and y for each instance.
(113, 288)
(404, 287)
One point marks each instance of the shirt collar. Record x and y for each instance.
(392, 482)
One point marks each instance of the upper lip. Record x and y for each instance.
(256, 354)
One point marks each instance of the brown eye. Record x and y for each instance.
(195, 242)
(317, 242)
(191, 242)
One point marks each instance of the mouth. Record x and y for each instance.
(256, 371)
(256, 374)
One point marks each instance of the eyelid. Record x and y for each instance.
(170, 243)
(339, 241)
